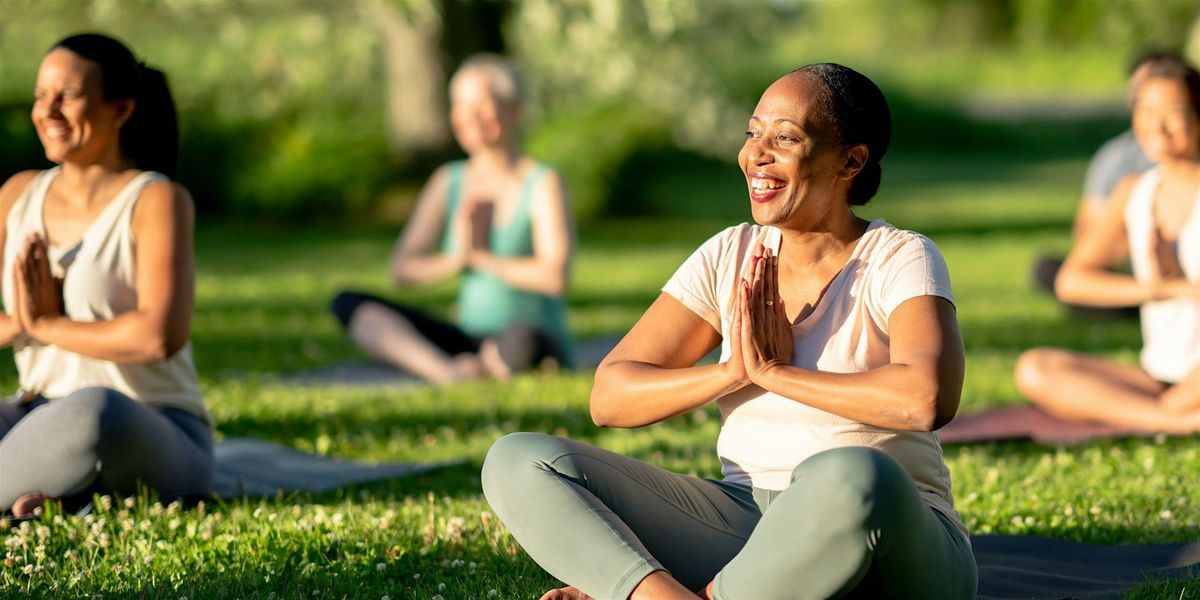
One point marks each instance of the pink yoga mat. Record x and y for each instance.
(1025, 422)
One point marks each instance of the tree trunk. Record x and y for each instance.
(415, 79)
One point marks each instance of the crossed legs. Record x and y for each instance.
(613, 527)
(1076, 386)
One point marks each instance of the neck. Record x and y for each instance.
(1180, 168)
(84, 182)
(500, 158)
(828, 238)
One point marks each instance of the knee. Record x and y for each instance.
(1035, 369)
(512, 457)
(93, 415)
(523, 346)
(858, 482)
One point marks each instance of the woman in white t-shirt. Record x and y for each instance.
(1153, 221)
(840, 354)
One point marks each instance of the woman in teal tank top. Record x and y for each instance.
(501, 221)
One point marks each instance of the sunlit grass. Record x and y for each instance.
(261, 314)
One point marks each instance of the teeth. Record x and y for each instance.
(766, 184)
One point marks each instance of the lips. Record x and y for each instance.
(764, 187)
(58, 133)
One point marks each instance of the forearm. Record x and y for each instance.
(423, 270)
(1101, 288)
(895, 396)
(9, 330)
(131, 338)
(524, 273)
(634, 394)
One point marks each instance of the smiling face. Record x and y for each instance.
(1165, 122)
(793, 162)
(479, 119)
(73, 120)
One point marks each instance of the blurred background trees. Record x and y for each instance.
(297, 108)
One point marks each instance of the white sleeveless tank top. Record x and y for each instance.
(98, 284)
(1171, 327)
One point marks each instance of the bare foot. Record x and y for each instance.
(463, 367)
(493, 363)
(29, 504)
(567, 593)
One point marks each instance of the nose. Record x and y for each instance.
(759, 152)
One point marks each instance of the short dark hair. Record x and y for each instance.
(855, 109)
(151, 136)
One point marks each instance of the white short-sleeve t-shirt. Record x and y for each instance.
(764, 436)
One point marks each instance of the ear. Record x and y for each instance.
(855, 159)
(125, 108)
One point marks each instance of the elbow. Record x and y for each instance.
(925, 412)
(1066, 288)
(159, 348)
(601, 413)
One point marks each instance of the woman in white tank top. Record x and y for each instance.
(1153, 220)
(98, 290)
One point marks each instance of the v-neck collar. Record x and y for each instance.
(803, 327)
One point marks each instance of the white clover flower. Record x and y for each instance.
(492, 593)
(380, 566)
(441, 587)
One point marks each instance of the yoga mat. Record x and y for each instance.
(1025, 422)
(363, 373)
(248, 467)
(1024, 567)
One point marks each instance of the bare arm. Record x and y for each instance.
(165, 281)
(10, 328)
(1089, 213)
(918, 390)
(650, 377)
(1084, 278)
(414, 260)
(547, 271)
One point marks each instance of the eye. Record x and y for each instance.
(752, 134)
(786, 138)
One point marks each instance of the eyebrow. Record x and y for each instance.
(754, 118)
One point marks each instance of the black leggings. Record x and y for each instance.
(522, 346)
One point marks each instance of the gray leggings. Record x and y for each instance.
(851, 525)
(98, 439)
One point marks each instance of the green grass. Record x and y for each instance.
(261, 313)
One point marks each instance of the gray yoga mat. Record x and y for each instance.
(248, 467)
(1024, 567)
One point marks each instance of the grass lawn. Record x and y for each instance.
(261, 313)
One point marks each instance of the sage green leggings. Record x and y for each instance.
(851, 525)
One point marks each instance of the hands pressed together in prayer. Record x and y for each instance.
(38, 294)
(760, 337)
(1169, 280)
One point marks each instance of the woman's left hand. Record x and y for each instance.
(38, 292)
(766, 333)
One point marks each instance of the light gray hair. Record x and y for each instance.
(501, 75)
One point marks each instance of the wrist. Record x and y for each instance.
(42, 328)
(768, 375)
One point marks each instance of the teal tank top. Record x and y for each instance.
(487, 305)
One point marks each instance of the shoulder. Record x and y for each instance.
(884, 240)
(1124, 189)
(161, 200)
(14, 187)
